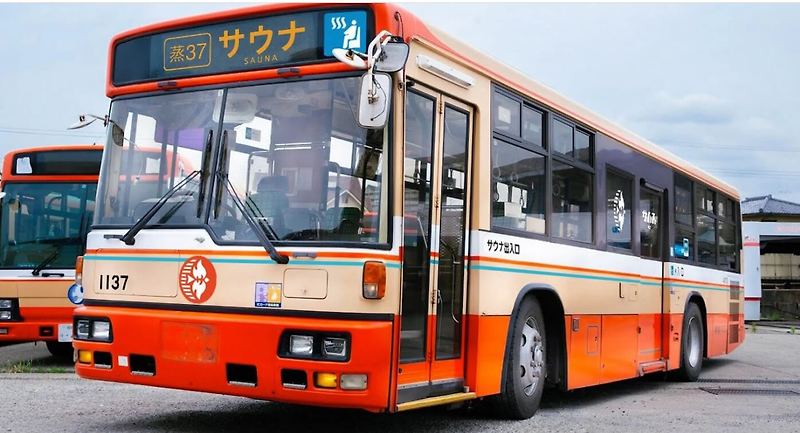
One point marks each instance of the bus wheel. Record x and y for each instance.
(691, 344)
(60, 350)
(526, 366)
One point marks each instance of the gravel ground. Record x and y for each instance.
(64, 403)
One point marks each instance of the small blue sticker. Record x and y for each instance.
(346, 30)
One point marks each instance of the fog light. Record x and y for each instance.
(3, 331)
(301, 345)
(5, 303)
(82, 329)
(85, 356)
(5, 315)
(355, 382)
(101, 330)
(334, 347)
(325, 380)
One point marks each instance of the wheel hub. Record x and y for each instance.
(531, 357)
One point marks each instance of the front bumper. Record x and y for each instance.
(37, 324)
(195, 351)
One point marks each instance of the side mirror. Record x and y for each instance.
(393, 56)
(117, 134)
(2, 195)
(374, 100)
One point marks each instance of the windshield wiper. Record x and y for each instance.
(129, 238)
(258, 227)
(49, 259)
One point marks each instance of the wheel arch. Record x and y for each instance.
(553, 312)
(696, 298)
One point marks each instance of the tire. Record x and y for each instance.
(60, 350)
(525, 368)
(692, 343)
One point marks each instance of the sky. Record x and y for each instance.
(716, 84)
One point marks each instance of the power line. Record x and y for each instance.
(729, 147)
(52, 132)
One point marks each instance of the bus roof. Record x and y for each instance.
(414, 29)
(8, 162)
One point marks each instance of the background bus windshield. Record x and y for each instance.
(44, 222)
(292, 152)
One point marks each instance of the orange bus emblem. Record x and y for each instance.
(197, 279)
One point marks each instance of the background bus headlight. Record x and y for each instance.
(5, 315)
(301, 345)
(101, 330)
(5, 304)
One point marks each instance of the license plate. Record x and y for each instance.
(64, 332)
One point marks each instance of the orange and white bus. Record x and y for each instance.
(47, 205)
(384, 218)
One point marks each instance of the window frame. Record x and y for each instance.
(697, 189)
(551, 157)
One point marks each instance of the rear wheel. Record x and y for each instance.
(692, 342)
(525, 365)
(60, 350)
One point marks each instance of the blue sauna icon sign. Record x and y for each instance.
(346, 30)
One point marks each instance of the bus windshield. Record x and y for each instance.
(44, 222)
(292, 151)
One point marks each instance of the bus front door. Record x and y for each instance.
(438, 134)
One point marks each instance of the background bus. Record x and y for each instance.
(47, 207)
(495, 238)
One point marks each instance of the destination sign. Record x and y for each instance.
(255, 43)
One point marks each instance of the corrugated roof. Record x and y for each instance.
(766, 204)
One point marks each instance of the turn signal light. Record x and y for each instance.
(79, 270)
(85, 356)
(325, 380)
(374, 286)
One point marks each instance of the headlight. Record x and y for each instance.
(333, 347)
(82, 328)
(101, 330)
(5, 304)
(317, 345)
(301, 345)
(5, 315)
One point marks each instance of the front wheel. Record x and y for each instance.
(692, 342)
(60, 350)
(525, 366)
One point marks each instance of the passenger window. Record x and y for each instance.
(572, 203)
(518, 178)
(583, 147)
(506, 115)
(706, 239)
(650, 223)
(532, 126)
(562, 137)
(727, 245)
(683, 200)
(619, 198)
